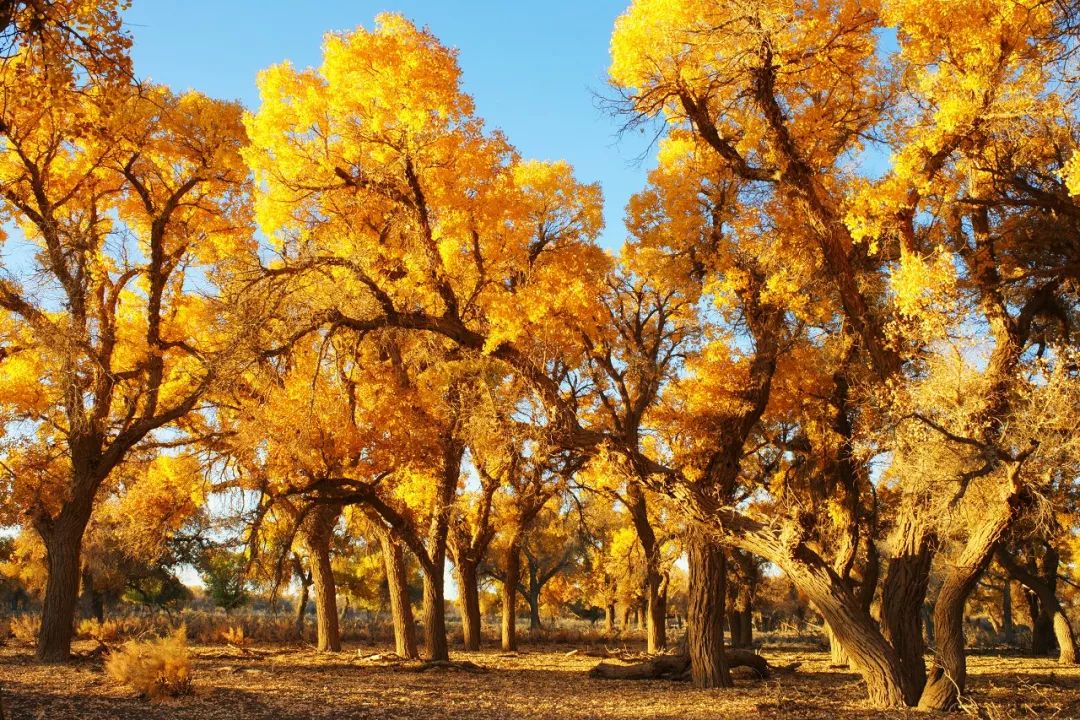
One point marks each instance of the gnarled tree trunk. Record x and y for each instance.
(902, 598)
(63, 545)
(469, 600)
(317, 531)
(302, 600)
(510, 580)
(435, 615)
(837, 655)
(947, 681)
(401, 616)
(705, 614)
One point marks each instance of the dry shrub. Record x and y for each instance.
(234, 636)
(25, 628)
(154, 668)
(104, 632)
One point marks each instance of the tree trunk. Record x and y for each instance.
(705, 615)
(627, 611)
(869, 654)
(319, 528)
(469, 598)
(734, 625)
(609, 618)
(435, 616)
(434, 597)
(1065, 638)
(63, 545)
(837, 654)
(1008, 626)
(511, 577)
(902, 598)
(655, 594)
(947, 681)
(655, 614)
(401, 616)
(1050, 620)
(301, 608)
(534, 610)
(747, 639)
(93, 604)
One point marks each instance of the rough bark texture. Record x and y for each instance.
(435, 616)
(870, 655)
(1008, 625)
(401, 615)
(533, 599)
(948, 679)
(903, 594)
(705, 615)
(511, 577)
(90, 598)
(655, 583)
(317, 531)
(469, 599)
(302, 600)
(63, 545)
(837, 654)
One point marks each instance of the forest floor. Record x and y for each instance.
(285, 683)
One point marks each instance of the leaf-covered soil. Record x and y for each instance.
(286, 682)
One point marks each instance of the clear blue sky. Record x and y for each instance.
(532, 67)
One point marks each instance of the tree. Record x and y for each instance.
(223, 572)
(779, 97)
(121, 192)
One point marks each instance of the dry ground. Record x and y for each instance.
(541, 682)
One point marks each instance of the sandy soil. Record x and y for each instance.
(541, 682)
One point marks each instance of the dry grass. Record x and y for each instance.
(153, 668)
(274, 681)
(235, 636)
(25, 628)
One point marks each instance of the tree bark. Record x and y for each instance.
(469, 598)
(705, 615)
(93, 604)
(1050, 617)
(1008, 626)
(870, 654)
(837, 655)
(902, 598)
(301, 609)
(655, 602)
(401, 616)
(318, 531)
(609, 618)
(63, 544)
(534, 611)
(947, 681)
(435, 616)
(656, 614)
(511, 577)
